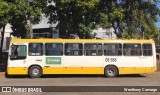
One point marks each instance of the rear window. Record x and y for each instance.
(147, 49)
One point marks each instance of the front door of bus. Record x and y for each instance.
(18, 58)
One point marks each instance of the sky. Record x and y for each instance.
(158, 23)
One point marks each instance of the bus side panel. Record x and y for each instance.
(73, 70)
(77, 65)
(126, 64)
(17, 71)
(88, 64)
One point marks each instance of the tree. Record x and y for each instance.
(73, 16)
(131, 19)
(4, 10)
(21, 12)
(4, 17)
(128, 18)
(140, 16)
(18, 13)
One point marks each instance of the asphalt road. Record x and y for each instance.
(81, 81)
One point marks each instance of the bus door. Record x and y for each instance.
(18, 55)
(148, 56)
(132, 57)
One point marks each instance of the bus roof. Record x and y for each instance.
(83, 40)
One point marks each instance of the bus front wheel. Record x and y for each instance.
(35, 72)
(110, 71)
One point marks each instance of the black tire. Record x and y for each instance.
(35, 72)
(6, 75)
(110, 71)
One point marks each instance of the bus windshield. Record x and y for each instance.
(18, 52)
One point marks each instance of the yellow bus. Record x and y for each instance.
(37, 57)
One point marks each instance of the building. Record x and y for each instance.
(45, 30)
(7, 37)
(101, 33)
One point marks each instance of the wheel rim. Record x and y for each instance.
(111, 72)
(35, 72)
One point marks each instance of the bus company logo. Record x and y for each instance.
(56, 60)
(48, 60)
(6, 89)
(53, 60)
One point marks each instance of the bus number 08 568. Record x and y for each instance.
(111, 59)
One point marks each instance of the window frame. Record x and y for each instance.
(94, 49)
(16, 57)
(132, 49)
(80, 50)
(54, 43)
(147, 49)
(121, 49)
(41, 50)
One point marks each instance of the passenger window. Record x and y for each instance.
(54, 49)
(35, 49)
(147, 50)
(112, 49)
(132, 49)
(73, 49)
(93, 49)
(18, 52)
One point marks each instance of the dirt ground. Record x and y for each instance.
(158, 65)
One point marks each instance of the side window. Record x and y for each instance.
(73, 49)
(112, 49)
(147, 50)
(93, 49)
(54, 49)
(132, 49)
(18, 52)
(35, 49)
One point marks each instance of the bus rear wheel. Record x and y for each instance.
(110, 71)
(35, 72)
